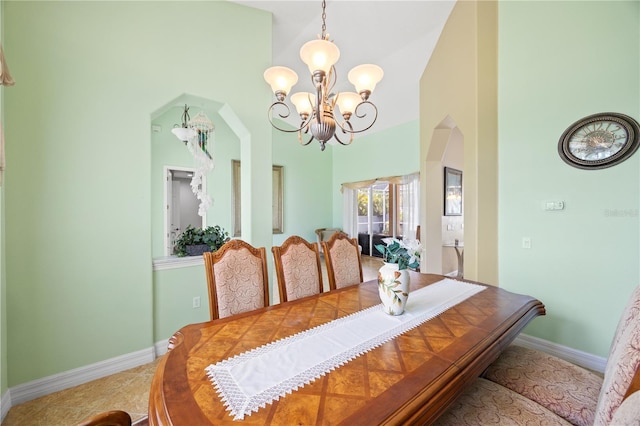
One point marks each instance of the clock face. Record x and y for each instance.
(599, 141)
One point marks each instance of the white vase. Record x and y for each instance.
(393, 288)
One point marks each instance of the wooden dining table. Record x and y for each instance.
(410, 379)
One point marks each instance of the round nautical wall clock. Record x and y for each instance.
(599, 140)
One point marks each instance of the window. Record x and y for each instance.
(381, 207)
(374, 215)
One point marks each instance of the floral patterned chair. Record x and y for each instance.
(342, 256)
(573, 393)
(525, 386)
(298, 269)
(628, 414)
(236, 278)
(487, 403)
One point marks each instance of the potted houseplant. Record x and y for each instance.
(393, 278)
(195, 241)
(406, 253)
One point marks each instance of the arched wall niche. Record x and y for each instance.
(446, 149)
(166, 150)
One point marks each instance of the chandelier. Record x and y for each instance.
(317, 109)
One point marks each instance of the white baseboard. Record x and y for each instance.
(57, 382)
(5, 405)
(161, 347)
(574, 356)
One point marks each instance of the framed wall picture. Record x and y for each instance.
(452, 192)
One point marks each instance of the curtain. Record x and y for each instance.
(350, 212)
(5, 77)
(366, 183)
(5, 80)
(410, 204)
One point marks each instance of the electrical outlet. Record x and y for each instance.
(196, 302)
(526, 242)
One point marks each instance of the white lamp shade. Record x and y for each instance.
(347, 102)
(281, 79)
(183, 133)
(365, 77)
(319, 55)
(302, 103)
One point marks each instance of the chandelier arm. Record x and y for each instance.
(350, 133)
(311, 138)
(365, 114)
(350, 126)
(283, 116)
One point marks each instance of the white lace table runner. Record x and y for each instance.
(255, 378)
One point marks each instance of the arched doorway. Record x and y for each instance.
(446, 149)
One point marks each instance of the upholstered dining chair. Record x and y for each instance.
(532, 382)
(108, 418)
(342, 257)
(236, 278)
(323, 234)
(298, 269)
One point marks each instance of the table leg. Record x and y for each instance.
(460, 255)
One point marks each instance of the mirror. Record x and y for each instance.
(452, 192)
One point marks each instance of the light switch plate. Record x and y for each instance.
(553, 205)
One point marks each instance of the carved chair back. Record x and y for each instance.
(237, 279)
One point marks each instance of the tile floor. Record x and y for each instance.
(127, 390)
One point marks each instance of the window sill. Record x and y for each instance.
(173, 262)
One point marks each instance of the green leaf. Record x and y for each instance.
(213, 236)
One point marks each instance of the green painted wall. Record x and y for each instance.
(3, 284)
(307, 186)
(4, 384)
(558, 62)
(390, 152)
(79, 282)
(174, 290)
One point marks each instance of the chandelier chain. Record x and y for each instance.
(324, 17)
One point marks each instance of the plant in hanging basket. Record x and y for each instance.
(195, 241)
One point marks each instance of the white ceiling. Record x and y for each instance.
(399, 36)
